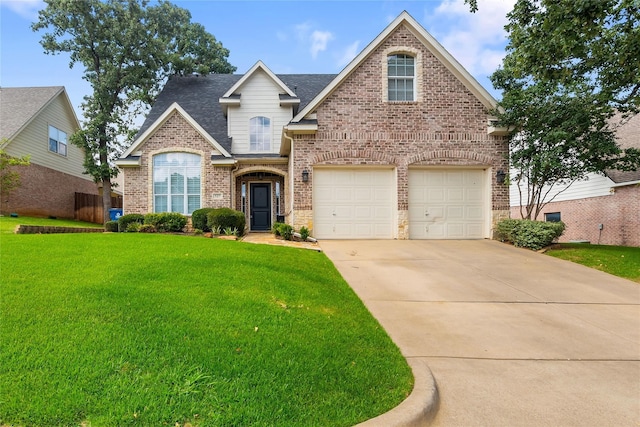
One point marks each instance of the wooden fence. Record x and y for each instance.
(88, 207)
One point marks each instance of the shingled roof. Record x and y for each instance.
(19, 105)
(199, 97)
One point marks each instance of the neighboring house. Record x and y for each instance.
(605, 208)
(396, 146)
(38, 121)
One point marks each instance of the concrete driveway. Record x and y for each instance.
(512, 337)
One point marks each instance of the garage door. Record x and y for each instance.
(447, 204)
(352, 203)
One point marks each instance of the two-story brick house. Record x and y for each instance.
(397, 145)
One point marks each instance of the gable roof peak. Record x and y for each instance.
(259, 66)
(428, 41)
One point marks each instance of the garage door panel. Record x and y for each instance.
(361, 199)
(454, 201)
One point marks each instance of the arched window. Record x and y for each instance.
(260, 134)
(176, 182)
(401, 74)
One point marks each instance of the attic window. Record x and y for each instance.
(260, 134)
(57, 141)
(401, 75)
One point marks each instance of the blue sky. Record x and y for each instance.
(288, 36)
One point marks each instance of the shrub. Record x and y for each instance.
(304, 233)
(224, 218)
(533, 235)
(286, 231)
(147, 228)
(133, 227)
(275, 229)
(198, 232)
(111, 226)
(199, 219)
(504, 230)
(125, 220)
(166, 221)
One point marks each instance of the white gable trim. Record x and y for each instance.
(258, 66)
(428, 40)
(162, 119)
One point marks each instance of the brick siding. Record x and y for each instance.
(618, 214)
(45, 192)
(445, 126)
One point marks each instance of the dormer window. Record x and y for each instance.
(260, 134)
(401, 75)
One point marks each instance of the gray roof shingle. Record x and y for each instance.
(18, 105)
(199, 95)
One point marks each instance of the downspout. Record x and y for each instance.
(232, 184)
(291, 170)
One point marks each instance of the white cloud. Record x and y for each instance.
(28, 9)
(319, 41)
(349, 53)
(314, 40)
(476, 40)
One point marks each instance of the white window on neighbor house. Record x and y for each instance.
(401, 72)
(176, 183)
(260, 134)
(57, 141)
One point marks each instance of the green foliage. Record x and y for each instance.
(147, 228)
(304, 233)
(529, 234)
(111, 226)
(275, 228)
(9, 178)
(173, 222)
(133, 227)
(199, 219)
(125, 74)
(286, 231)
(561, 91)
(224, 218)
(125, 220)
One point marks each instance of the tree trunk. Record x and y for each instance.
(106, 198)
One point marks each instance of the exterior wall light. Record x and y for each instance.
(305, 176)
(501, 176)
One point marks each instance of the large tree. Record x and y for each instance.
(569, 76)
(128, 50)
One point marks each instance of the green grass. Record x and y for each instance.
(151, 330)
(620, 261)
(9, 224)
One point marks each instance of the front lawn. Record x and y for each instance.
(622, 261)
(152, 330)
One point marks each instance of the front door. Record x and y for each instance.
(260, 210)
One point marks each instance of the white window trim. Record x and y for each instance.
(417, 77)
(149, 163)
(58, 143)
(264, 134)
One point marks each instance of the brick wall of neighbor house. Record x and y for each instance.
(446, 126)
(175, 135)
(46, 192)
(618, 213)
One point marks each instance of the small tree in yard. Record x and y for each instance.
(9, 178)
(128, 49)
(570, 68)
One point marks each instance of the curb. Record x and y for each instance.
(417, 410)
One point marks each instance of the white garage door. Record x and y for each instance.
(447, 204)
(352, 203)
